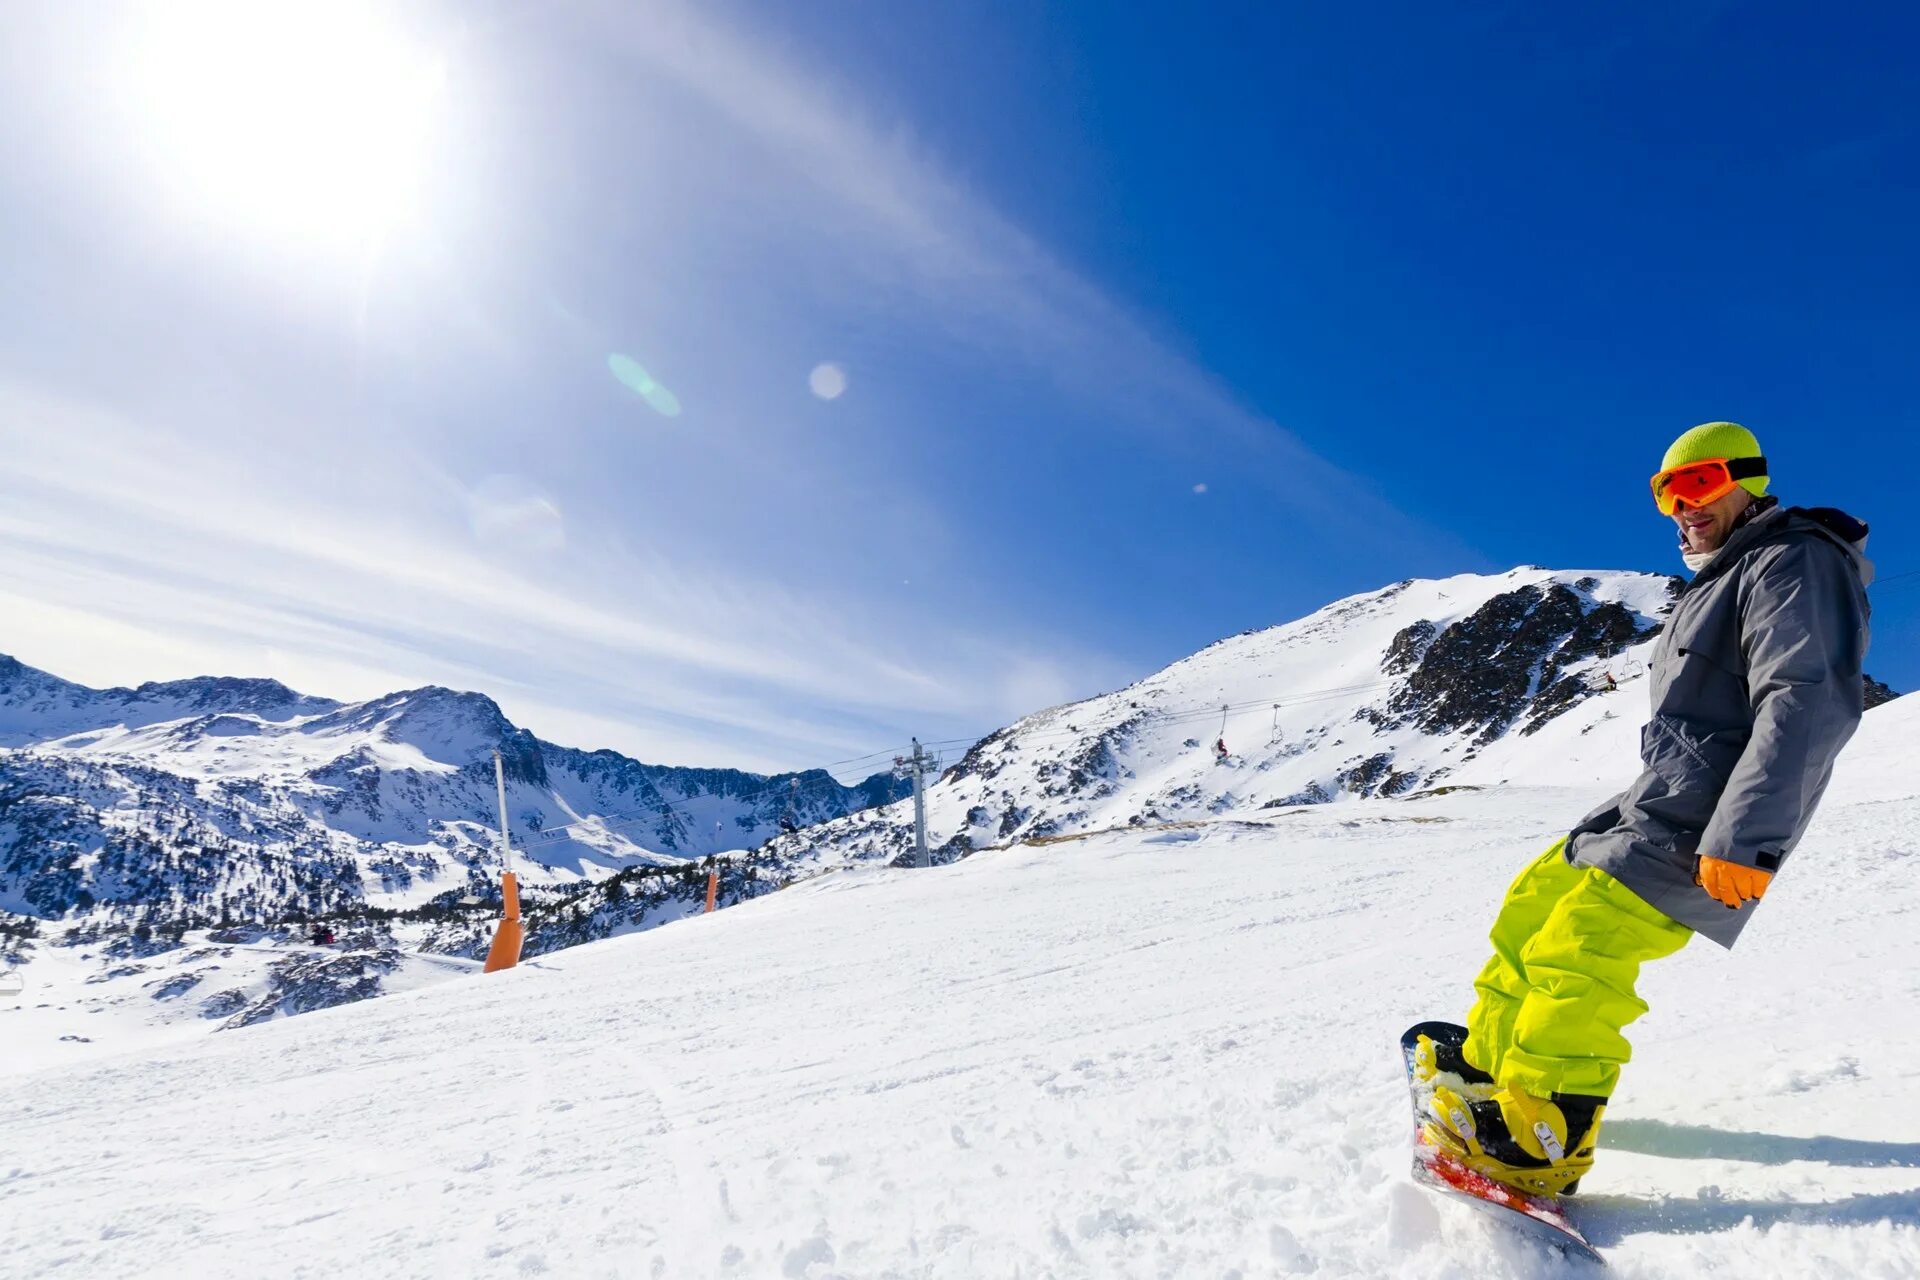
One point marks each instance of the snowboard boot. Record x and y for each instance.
(1437, 1061)
(1538, 1145)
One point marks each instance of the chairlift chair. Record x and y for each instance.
(1220, 752)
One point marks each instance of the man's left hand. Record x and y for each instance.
(1731, 883)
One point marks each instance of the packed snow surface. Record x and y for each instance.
(1150, 1053)
(78, 1003)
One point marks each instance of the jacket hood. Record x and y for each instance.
(1849, 534)
(1771, 522)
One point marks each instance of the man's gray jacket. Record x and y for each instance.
(1756, 687)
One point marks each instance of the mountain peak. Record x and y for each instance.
(242, 694)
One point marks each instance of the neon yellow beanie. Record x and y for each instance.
(1717, 440)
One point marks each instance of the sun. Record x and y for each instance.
(302, 122)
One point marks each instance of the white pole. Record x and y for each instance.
(500, 781)
(920, 805)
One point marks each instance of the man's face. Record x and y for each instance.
(1706, 528)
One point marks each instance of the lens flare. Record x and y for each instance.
(637, 380)
(828, 381)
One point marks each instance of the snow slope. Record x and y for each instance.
(131, 819)
(86, 1000)
(1465, 681)
(1145, 1053)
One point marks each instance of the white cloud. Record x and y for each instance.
(677, 613)
(135, 554)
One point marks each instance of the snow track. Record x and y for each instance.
(1168, 1054)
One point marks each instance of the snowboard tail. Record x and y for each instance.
(1542, 1217)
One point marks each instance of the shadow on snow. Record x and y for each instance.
(1695, 1142)
(1607, 1220)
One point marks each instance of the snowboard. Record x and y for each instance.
(1542, 1217)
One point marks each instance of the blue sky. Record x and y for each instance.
(1146, 326)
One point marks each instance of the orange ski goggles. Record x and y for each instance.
(1699, 483)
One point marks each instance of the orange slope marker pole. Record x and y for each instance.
(511, 935)
(713, 887)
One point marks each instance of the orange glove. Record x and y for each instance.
(1731, 883)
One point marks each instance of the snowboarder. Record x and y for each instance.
(1756, 685)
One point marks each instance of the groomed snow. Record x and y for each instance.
(1152, 1054)
(79, 1004)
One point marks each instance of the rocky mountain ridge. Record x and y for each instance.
(217, 799)
(1532, 676)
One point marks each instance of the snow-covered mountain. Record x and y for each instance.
(184, 808)
(38, 707)
(136, 824)
(1459, 682)
(220, 799)
(1421, 687)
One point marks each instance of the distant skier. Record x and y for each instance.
(1756, 685)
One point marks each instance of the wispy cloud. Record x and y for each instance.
(198, 564)
(749, 589)
(928, 245)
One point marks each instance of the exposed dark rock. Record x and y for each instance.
(1314, 793)
(303, 983)
(1097, 766)
(1486, 671)
(1878, 694)
(223, 1004)
(1362, 778)
(1375, 776)
(1408, 647)
(172, 988)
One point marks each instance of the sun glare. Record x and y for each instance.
(290, 120)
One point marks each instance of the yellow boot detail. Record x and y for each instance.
(1452, 1126)
(1515, 1138)
(1439, 1064)
(1536, 1124)
(1425, 1068)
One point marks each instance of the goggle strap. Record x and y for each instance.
(1746, 468)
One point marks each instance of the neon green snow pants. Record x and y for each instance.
(1567, 948)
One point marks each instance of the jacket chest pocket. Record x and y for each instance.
(1707, 629)
(1685, 773)
(1688, 760)
(1704, 675)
